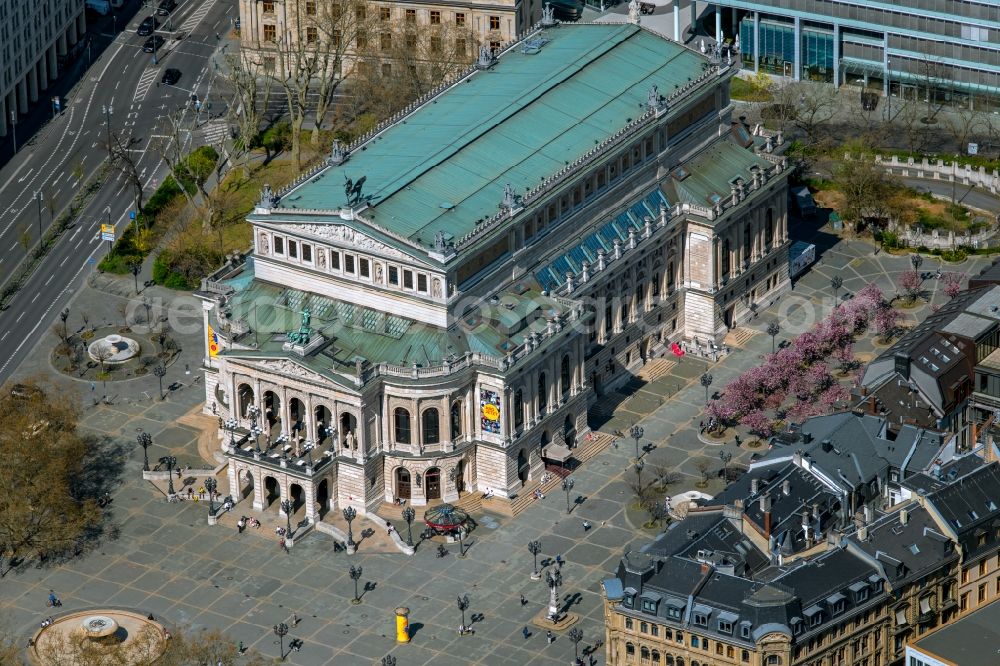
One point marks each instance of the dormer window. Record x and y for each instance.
(650, 602)
(629, 599)
(836, 603)
(725, 627)
(814, 615)
(860, 591)
(798, 626)
(745, 630)
(673, 612)
(701, 619)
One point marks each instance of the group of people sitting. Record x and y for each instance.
(242, 523)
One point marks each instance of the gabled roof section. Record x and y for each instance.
(444, 166)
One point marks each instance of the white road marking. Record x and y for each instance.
(50, 279)
(36, 296)
(19, 316)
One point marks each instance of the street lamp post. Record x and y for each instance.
(639, 464)
(567, 485)
(408, 515)
(575, 636)
(308, 447)
(636, 432)
(463, 605)
(169, 461)
(554, 580)
(773, 329)
(355, 574)
(210, 485)
(915, 261)
(108, 112)
(535, 547)
(288, 506)
(230, 425)
(281, 630)
(349, 515)
(160, 373)
(706, 381)
(836, 282)
(145, 441)
(135, 268)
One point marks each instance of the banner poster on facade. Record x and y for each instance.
(489, 410)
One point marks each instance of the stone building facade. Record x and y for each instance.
(435, 307)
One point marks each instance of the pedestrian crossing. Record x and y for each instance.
(145, 82)
(214, 132)
(192, 21)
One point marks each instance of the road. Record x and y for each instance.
(126, 80)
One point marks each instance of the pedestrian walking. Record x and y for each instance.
(523, 600)
(550, 637)
(525, 632)
(179, 472)
(559, 561)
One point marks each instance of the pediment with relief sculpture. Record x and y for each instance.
(284, 366)
(341, 233)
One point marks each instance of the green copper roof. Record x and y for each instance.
(444, 166)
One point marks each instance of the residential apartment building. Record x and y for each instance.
(969, 641)
(33, 38)
(509, 246)
(788, 567)
(950, 47)
(364, 30)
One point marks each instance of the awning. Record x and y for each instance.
(557, 452)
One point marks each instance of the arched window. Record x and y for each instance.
(564, 376)
(773, 660)
(680, 661)
(640, 299)
(431, 426)
(518, 408)
(745, 655)
(644, 653)
(543, 393)
(670, 660)
(401, 423)
(456, 419)
(656, 284)
(656, 657)
(629, 650)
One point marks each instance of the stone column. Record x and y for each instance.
(286, 413)
(310, 418)
(43, 72)
(677, 20)
(258, 489)
(73, 35)
(836, 55)
(470, 410)
(4, 115)
(361, 438)
(508, 415)
(718, 24)
(798, 49)
(61, 43)
(234, 400)
(756, 42)
(234, 482)
(22, 95)
(717, 256)
(53, 62)
(81, 23)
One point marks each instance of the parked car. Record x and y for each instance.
(171, 76)
(148, 25)
(153, 43)
(166, 6)
(566, 10)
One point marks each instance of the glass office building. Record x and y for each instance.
(947, 48)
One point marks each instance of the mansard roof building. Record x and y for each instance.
(432, 309)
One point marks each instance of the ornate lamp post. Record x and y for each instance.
(836, 282)
(636, 432)
(567, 485)
(308, 447)
(230, 425)
(145, 441)
(408, 515)
(535, 547)
(706, 381)
(355, 574)
(463, 605)
(575, 636)
(349, 515)
(169, 461)
(554, 580)
(255, 431)
(773, 329)
(288, 506)
(210, 485)
(281, 630)
(915, 261)
(388, 660)
(160, 373)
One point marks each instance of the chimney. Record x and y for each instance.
(786, 487)
(904, 516)
(863, 533)
(868, 514)
(805, 528)
(754, 485)
(765, 506)
(827, 446)
(872, 408)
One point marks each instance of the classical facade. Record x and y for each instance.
(33, 39)
(433, 308)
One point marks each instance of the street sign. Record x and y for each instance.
(973, 148)
(91, 261)
(131, 215)
(107, 232)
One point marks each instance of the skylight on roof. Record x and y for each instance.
(914, 549)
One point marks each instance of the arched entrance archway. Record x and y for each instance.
(522, 467)
(297, 495)
(348, 424)
(271, 491)
(432, 483)
(245, 484)
(402, 483)
(569, 431)
(323, 417)
(272, 411)
(323, 497)
(244, 399)
(297, 414)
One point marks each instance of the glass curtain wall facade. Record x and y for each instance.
(945, 49)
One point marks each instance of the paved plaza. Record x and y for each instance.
(167, 561)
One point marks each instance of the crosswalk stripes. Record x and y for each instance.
(214, 131)
(145, 81)
(195, 18)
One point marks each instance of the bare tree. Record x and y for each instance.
(815, 106)
(251, 95)
(126, 164)
(102, 353)
(704, 466)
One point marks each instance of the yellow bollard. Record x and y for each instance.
(402, 625)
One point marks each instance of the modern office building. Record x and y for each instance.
(33, 37)
(437, 305)
(906, 46)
